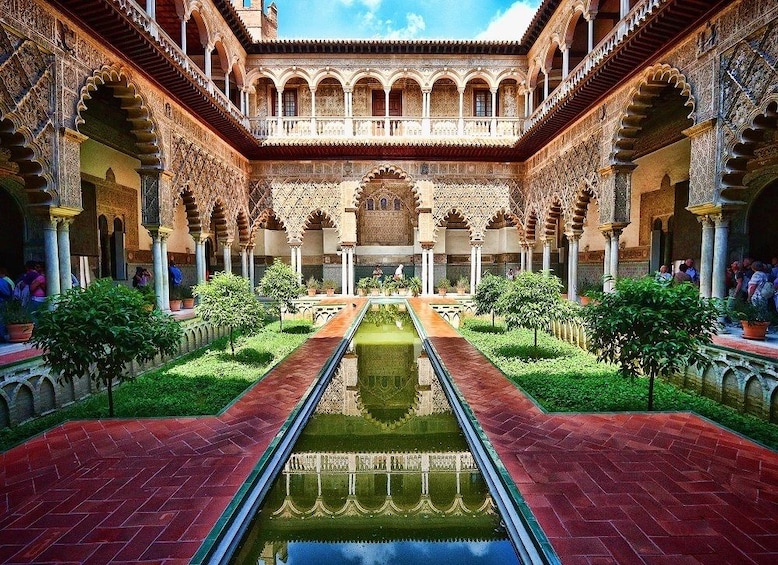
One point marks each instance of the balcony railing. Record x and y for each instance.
(383, 127)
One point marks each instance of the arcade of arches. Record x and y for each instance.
(680, 160)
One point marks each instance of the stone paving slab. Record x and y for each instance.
(622, 488)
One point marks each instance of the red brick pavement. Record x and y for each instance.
(148, 490)
(623, 488)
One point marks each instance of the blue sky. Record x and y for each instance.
(404, 19)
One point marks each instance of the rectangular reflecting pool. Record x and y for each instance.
(381, 473)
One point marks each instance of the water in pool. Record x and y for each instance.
(381, 473)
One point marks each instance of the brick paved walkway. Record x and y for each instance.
(623, 488)
(628, 488)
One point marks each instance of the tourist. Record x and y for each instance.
(398, 273)
(663, 275)
(38, 288)
(758, 280)
(694, 275)
(176, 276)
(510, 274)
(377, 272)
(681, 276)
(141, 277)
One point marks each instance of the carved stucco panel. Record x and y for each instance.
(476, 202)
(295, 201)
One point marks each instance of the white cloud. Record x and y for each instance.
(369, 554)
(414, 25)
(511, 24)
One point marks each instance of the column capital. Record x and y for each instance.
(574, 235)
(63, 213)
(616, 168)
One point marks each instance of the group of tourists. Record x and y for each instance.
(754, 281)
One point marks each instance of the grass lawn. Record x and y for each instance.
(203, 382)
(563, 378)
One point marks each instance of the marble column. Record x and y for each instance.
(251, 266)
(607, 285)
(614, 266)
(572, 262)
(720, 245)
(244, 262)
(165, 271)
(159, 280)
(547, 256)
(350, 275)
(227, 255)
(523, 258)
(472, 268)
(431, 266)
(706, 256)
(63, 242)
(478, 263)
(200, 258)
(51, 251)
(344, 269)
(530, 249)
(424, 273)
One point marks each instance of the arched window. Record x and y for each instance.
(396, 203)
(383, 203)
(370, 204)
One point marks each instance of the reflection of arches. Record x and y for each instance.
(11, 233)
(762, 229)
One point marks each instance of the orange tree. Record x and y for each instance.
(650, 327)
(99, 330)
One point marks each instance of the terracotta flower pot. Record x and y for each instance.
(187, 303)
(19, 333)
(754, 330)
(311, 292)
(175, 305)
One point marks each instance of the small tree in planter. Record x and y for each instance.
(227, 301)
(463, 284)
(98, 330)
(650, 327)
(280, 285)
(443, 285)
(187, 297)
(330, 286)
(414, 286)
(533, 301)
(312, 285)
(488, 292)
(364, 285)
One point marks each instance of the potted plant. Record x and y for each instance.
(175, 298)
(463, 283)
(364, 285)
(402, 286)
(329, 286)
(18, 321)
(414, 286)
(312, 285)
(754, 317)
(585, 288)
(390, 287)
(443, 286)
(187, 298)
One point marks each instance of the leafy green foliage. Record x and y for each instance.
(281, 286)
(488, 292)
(97, 331)
(533, 301)
(572, 380)
(228, 301)
(414, 285)
(14, 312)
(649, 327)
(201, 383)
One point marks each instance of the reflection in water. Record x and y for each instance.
(381, 473)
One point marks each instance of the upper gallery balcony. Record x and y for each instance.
(270, 92)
